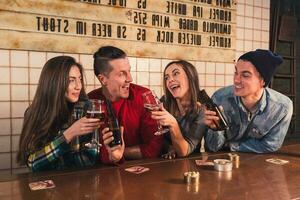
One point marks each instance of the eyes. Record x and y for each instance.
(174, 74)
(243, 74)
(74, 81)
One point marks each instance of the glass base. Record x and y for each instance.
(162, 131)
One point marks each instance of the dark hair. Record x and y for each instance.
(50, 109)
(193, 79)
(103, 56)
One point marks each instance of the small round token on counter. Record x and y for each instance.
(191, 177)
(222, 165)
(235, 159)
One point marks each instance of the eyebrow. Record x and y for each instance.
(75, 77)
(243, 72)
(176, 69)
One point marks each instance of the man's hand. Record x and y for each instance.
(115, 153)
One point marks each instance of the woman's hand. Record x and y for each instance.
(170, 155)
(115, 153)
(82, 126)
(164, 117)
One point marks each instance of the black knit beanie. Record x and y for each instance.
(265, 62)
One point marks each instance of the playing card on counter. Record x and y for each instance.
(203, 163)
(277, 161)
(137, 169)
(41, 185)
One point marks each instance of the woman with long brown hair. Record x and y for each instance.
(182, 112)
(48, 128)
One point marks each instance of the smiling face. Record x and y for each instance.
(176, 81)
(75, 84)
(116, 83)
(247, 80)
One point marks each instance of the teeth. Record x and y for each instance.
(238, 87)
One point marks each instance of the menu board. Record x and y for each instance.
(179, 29)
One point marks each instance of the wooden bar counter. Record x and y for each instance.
(253, 179)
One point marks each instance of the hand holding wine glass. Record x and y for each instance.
(152, 103)
(96, 109)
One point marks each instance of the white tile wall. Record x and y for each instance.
(34, 75)
(220, 68)
(51, 55)
(132, 62)
(220, 80)
(249, 34)
(5, 160)
(17, 126)
(143, 78)
(240, 33)
(19, 75)
(200, 66)
(248, 22)
(228, 79)
(5, 109)
(210, 80)
(18, 108)
(5, 144)
(155, 79)
(15, 142)
(155, 65)
(201, 80)
(257, 2)
(4, 75)
(86, 61)
(37, 59)
(76, 56)
(5, 127)
(257, 24)
(142, 64)
(4, 57)
(19, 58)
(19, 93)
(210, 68)
(32, 89)
(249, 11)
(5, 93)
(257, 12)
(90, 76)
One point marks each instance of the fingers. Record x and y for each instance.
(169, 155)
(107, 136)
(221, 108)
(115, 148)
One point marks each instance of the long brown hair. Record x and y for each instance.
(50, 109)
(193, 79)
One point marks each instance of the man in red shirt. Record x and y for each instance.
(112, 68)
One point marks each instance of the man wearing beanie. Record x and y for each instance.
(258, 116)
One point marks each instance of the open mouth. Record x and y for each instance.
(238, 87)
(174, 87)
(126, 87)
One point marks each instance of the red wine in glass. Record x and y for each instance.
(152, 103)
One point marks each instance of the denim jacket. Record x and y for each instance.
(262, 132)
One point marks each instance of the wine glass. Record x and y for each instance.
(95, 109)
(76, 115)
(152, 103)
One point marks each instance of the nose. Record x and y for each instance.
(78, 84)
(170, 80)
(129, 78)
(236, 78)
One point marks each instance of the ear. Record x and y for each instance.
(102, 79)
(262, 82)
